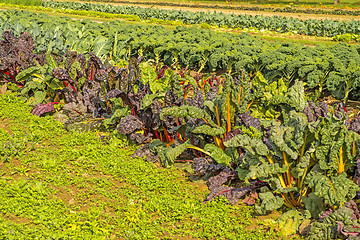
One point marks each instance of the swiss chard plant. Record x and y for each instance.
(309, 151)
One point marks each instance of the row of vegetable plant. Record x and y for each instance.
(335, 69)
(263, 140)
(23, 2)
(310, 9)
(280, 24)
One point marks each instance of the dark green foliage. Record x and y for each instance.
(273, 23)
(333, 68)
(287, 9)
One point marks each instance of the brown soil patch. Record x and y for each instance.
(17, 219)
(5, 124)
(254, 225)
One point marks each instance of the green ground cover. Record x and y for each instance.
(57, 184)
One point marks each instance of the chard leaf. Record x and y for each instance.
(218, 154)
(147, 100)
(314, 204)
(195, 112)
(212, 131)
(117, 115)
(174, 111)
(337, 224)
(335, 190)
(160, 84)
(173, 153)
(269, 202)
(266, 171)
(246, 142)
(280, 136)
(289, 222)
(182, 111)
(40, 109)
(296, 96)
(210, 105)
(27, 73)
(39, 97)
(148, 73)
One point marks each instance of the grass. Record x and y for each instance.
(56, 184)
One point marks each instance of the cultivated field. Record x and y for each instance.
(173, 120)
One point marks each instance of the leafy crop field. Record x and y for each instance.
(240, 3)
(279, 24)
(335, 69)
(127, 131)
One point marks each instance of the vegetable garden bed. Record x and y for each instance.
(264, 141)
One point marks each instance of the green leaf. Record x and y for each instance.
(296, 96)
(148, 73)
(175, 152)
(195, 112)
(269, 202)
(212, 131)
(147, 100)
(27, 73)
(116, 116)
(160, 84)
(102, 46)
(182, 111)
(246, 142)
(218, 154)
(336, 190)
(280, 137)
(39, 98)
(314, 204)
(289, 222)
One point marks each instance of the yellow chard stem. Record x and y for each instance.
(247, 109)
(217, 116)
(206, 122)
(353, 148)
(239, 98)
(228, 113)
(282, 182)
(303, 147)
(287, 202)
(199, 149)
(341, 161)
(288, 174)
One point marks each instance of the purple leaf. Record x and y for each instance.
(129, 124)
(41, 108)
(232, 194)
(221, 178)
(232, 134)
(250, 121)
(115, 93)
(355, 124)
(62, 75)
(202, 166)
